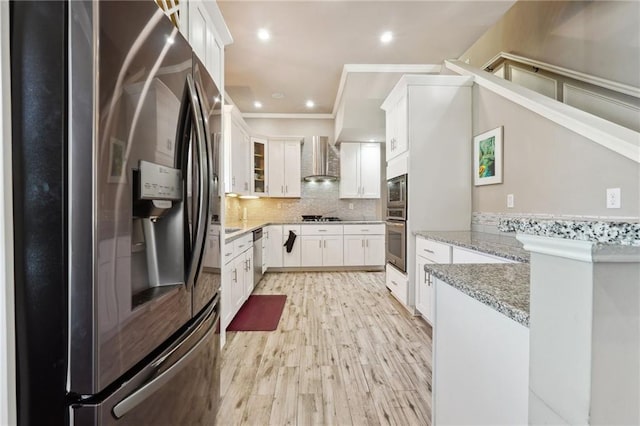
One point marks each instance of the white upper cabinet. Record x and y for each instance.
(284, 169)
(359, 170)
(202, 23)
(259, 163)
(236, 152)
(396, 126)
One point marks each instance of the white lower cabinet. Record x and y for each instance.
(273, 252)
(364, 245)
(425, 297)
(238, 277)
(321, 245)
(481, 363)
(321, 250)
(398, 283)
(364, 250)
(292, 258)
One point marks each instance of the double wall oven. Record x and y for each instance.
(396, 222)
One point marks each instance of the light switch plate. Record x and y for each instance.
(510, 201)
(613, 198)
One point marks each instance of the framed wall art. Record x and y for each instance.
(487, 157)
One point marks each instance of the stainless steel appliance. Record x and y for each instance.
(397, 191)
(257, 256)
(396, 243)
(396, 222)
(320, 218)
(116, 186)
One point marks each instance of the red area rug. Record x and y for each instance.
(261, 312)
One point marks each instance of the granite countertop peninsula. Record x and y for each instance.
(599, 232)
(236, 229)
(503, 286)
(501, 245)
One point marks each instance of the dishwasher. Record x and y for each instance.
(257, 256)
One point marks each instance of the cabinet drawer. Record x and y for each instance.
(471, 256)
(287, 228)
(371, 229)
(321, 230)
(434, 251)
(398, 284)
(228, 252)
(242, 244)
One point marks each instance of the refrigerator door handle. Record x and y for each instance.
(152, 386)
(203, 191)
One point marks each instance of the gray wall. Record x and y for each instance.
(600, 38)
(548, 168)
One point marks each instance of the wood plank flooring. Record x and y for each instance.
(345, 353)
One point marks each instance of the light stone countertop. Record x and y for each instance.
(243, 227)
(502, 286)
(500, 245)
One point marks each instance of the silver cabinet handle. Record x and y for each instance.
(429, 251)
(319, 243)
(325, 243)
(235, 275)
(394, 283)
(282, 189)
(425, 277)
(362, 243)
(322, 230)
(367, 243)
(266, 188)
(286, 189)
(233, 180)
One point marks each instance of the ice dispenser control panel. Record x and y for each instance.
(159, 182)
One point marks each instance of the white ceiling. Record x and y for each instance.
(311, 41)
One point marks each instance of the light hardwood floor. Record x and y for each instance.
(345, 353)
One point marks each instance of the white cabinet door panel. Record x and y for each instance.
(332, 250)
(349, 170)
(292, 162)
(353, 250)
(276, 169)
(311, 247)
(369, 170)
(374, 250)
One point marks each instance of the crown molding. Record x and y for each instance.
(403, 68)
(288, 115)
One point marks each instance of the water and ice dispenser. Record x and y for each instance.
(158, 230)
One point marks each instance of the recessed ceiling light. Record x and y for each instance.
(277, 95)
(386, 37)
(310, 104)
(257, 104)
(263, 34)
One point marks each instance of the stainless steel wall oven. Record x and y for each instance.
(396, 222)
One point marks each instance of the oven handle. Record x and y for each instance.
(396, 223)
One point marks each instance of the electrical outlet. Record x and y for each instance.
(350, 206)
(613, 198)
(510, 201)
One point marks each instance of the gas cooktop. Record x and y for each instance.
(309, 218)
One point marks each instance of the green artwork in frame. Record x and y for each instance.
(487, 157)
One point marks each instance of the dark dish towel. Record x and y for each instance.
(289, 243)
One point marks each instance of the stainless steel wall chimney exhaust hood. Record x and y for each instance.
(320, 160)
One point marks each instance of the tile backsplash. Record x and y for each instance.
(318, 198)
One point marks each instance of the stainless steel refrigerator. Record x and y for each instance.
(116, 164)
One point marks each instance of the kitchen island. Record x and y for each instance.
(480, 324)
